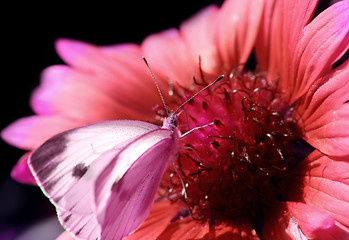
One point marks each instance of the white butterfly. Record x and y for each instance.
(103, 177)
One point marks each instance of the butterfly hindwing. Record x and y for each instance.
(83, 226)
(123, 205)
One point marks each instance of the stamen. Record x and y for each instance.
(238, 157)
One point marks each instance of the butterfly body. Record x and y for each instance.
(103, 177)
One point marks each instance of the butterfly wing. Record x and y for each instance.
(123, 204)
(67, 166)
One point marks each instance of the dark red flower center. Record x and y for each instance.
(242, 159)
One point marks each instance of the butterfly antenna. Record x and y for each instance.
(219, 78)
(157, 86)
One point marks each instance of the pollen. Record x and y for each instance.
(241, 162)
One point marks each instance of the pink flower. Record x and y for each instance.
(274, 163)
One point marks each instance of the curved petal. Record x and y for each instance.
(169, 57)
(299, 221)
(65, 236)
(115, 71)
(303, 54)
(324, 41)
(227, 232)
(237, 25)
(67, 92)
(340, 232)
(21, 172)
(332, 168)
(326, 186)
(325, 115)
(313, 222)
(185, 228)
(329, 96)
(125, 50)
(276, 40)
(198, 33)
(264, 37)
(331, 136)
(71, 51)
(30, 132)
(161, 214)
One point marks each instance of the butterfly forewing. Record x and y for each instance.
(67, 165)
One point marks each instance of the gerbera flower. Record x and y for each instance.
(272, 161)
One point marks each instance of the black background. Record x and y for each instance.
(28, 33)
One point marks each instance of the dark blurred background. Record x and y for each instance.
(28, 33)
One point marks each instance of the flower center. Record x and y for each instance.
(242, 159)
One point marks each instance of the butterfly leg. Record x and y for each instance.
(196, 128)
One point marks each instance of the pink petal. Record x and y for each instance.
(229, 231)
(326, 186)
(330, 133)
(302, 55)
(199, 36)
(318, 194)
(313, 222)
(185, 228)
(263, 42)
(237, 24)
(340, 232)
(324, 41)
(21, 172)
(66, 92)
(293, 220)
(169, 57)
(276, 40)
(65, 236)
(161, 213)
(30, 132)
(126, 50)
(332, 168)
(39, 101)
(117, 72)
(324, 116)
(326, 97)
(71, 50)
(294, 15)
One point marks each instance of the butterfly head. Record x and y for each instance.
(171, 122)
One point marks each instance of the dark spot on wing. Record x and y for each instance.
(48, 151)
(66, 219)
(79, 231)
(72, 208)
(80, 170)
(57, 199)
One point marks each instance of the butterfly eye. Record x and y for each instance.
(174, 122)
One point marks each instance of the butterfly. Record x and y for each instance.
(103, 178)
